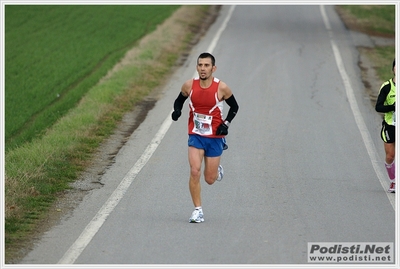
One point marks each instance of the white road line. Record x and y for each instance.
(95, 224)
(373, 154)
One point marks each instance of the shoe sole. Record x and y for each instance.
(194, 221)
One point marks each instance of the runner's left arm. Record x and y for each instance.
(233, 108)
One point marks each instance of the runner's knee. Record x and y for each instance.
(210, 177)
(195, 172)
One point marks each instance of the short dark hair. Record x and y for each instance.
(394, 63)
(207, 55)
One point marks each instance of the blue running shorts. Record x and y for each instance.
(212, 146)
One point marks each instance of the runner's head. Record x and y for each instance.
(207, 55)
(205, 66)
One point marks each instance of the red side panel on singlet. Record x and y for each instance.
(205, 109)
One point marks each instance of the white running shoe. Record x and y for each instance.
(197, 216)
(220, 173)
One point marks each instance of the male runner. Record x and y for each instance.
(206, 127)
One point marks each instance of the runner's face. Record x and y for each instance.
(205, 68)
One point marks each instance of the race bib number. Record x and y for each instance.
(202, 124)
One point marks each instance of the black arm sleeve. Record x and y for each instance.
(380, 101)
(234, 107)
(179, 101)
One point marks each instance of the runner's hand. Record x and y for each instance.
(176, 114)
(222, 129)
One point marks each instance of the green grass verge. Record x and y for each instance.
(372, 19)
(382, 57)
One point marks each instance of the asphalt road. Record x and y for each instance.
(304, 164)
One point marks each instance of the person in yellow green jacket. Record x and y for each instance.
(386, 103)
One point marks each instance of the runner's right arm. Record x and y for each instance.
(180, 100)
(380, 102)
